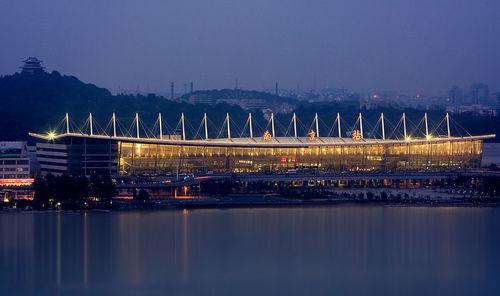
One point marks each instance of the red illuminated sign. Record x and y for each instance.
(16, 182)
(285, 159)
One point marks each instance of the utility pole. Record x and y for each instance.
(172, 96)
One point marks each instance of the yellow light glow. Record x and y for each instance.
(428, 137)
(52, 135)
(408, 138)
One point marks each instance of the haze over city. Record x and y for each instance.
(408, 46)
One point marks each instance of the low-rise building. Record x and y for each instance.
(14, 160)
(15, 171)
(475, 109)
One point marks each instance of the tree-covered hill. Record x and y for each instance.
(36, 103)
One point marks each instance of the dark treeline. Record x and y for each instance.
(72, 191)
(37, 103)
(78, 192)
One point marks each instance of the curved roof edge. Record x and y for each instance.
(288, 142)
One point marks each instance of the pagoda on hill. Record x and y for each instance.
(32, 65)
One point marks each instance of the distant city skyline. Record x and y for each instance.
(410, 47)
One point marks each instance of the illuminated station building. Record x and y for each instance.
(86, 152)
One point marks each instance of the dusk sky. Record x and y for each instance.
(405, 45)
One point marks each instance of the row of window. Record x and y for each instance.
(15, 169)
(13, 176)
(14, 161)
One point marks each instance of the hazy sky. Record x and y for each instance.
(406, 45)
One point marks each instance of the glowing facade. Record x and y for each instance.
(329, 155)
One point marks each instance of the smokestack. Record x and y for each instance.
(172, 91)
(276, 90)
(191, 87)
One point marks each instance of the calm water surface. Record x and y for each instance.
(347, 250)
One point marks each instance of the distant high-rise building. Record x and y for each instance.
(172, 91)
(32, 65)
(498, 103)
(455, 95)
(480, 93)
(191, 87)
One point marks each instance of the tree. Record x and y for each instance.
(42, 192)
(101, 186)
(141, 197)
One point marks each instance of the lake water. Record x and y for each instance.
(491, 154)
(346, 250)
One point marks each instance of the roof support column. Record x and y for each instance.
(338, 125)
(113, 122)
(448, 124)
(250, 124)
(160, 125)
(427, 136)
(272, 125)
(294, 118)
(67, 123)
(361, 125)
(383, 125)
(404, 127)
(183, 128)
(228, 126)
(137, 125)
(205, 121)
(317, 124)
(91, 126)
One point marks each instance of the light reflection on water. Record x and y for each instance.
(294, 251)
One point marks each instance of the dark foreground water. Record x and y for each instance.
(289, 251)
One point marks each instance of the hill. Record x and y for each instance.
(36, 102)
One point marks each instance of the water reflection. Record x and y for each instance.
(297, 251)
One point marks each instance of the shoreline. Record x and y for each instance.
(213, 204)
